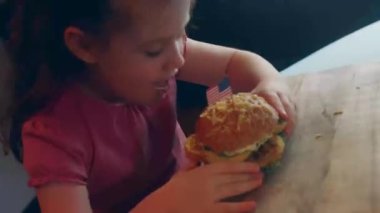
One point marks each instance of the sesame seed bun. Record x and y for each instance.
(240, 127)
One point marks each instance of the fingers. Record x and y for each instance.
(237, 177)
(231, 178)
(234, 167)
(190, 164)
(290, 111)
(274, 100)
(237, 188)
(284, 106)
(245, 206)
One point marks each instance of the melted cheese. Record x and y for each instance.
(251, 148)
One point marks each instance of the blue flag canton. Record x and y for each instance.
(224, 84)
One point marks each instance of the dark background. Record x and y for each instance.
(282, 31)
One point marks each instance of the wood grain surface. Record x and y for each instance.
(332, 161)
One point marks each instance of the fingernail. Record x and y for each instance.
(288, 132)
(257, 167)
(254, 205)
(257, 182)
(248, 206)
(254, 166)
(283, 112)
(256, 177)
(258, 174)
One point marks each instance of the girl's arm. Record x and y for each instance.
(208, 64)
(63, 198)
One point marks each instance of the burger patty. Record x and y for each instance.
(270, 152)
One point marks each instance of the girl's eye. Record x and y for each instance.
(153, 54)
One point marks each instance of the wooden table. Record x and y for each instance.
(332, 161)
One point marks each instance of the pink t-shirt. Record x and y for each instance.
(120, 152)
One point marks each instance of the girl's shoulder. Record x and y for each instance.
(56, 143)
(61, 116)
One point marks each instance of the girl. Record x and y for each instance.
(95, 106)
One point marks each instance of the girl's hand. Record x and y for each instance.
(202, 189)
(277, 93)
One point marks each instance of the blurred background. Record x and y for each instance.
(282, 31)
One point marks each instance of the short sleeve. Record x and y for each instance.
(51, 154)
(179, 149)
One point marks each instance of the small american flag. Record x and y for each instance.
(219, 92)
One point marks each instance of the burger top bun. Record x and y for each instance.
(237, 121)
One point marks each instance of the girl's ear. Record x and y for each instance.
(80, 44)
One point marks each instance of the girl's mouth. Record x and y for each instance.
(161, 86)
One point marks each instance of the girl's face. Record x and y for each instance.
(137, 63)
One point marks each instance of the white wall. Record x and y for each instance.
(14, 193)
(362, 46)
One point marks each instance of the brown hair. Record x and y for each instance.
(42, 64)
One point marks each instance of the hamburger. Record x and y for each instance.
(238, 128)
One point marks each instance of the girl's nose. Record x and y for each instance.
(176, 58)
